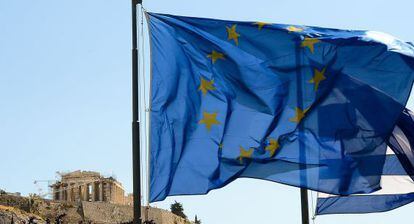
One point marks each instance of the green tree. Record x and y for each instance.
(196, 220)
(177, 209)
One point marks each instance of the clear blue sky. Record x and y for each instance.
(65, 93)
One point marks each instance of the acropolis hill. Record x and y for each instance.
(80, 197)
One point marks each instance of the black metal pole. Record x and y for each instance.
(304, 205)
(302, 146)
(136, 162)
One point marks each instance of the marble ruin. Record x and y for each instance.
(88, 186)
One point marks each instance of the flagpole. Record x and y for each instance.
(302, 147)
(136, 161)
(304, 205)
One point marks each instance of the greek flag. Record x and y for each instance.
(397, 180)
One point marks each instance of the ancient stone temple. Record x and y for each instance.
(88, 186)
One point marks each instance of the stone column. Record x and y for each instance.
(72, 192)
(93, 191)
(55, 193)
(82, 192)
(117, 198)
(64, 192)
(69, 192)
(105, 192)
(100, 191)
(108, 192)
(112, 186)
(60, 192)
(115, 193)
(87, 192)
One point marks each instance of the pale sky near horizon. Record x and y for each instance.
(65, 94)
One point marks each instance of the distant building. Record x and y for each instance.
(88, 186)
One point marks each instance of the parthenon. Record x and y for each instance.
(88, 186)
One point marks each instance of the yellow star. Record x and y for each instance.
(215, 55)
(273, 146)
(318, 77)
(209, 119)
(309, 43)
(299, 115)
(205, 86)
(220, 146)
(232, 34)
(261, 25)
(245, 154)
(294, 29)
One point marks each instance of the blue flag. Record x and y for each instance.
(304, 106)
(397, 181)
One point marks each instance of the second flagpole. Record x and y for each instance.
(302, 147)
(136, 160)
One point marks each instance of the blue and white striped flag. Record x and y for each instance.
(397, 181)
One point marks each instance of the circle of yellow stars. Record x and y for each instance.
(210, 119)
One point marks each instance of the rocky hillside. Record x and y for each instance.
(23, 209)
(10, 215)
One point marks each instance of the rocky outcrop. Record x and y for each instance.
(162, 216)
(21, 208)
(10, 215)
(105, 213)
(100, 212)
(23, 203)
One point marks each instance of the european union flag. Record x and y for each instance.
(304, 106)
